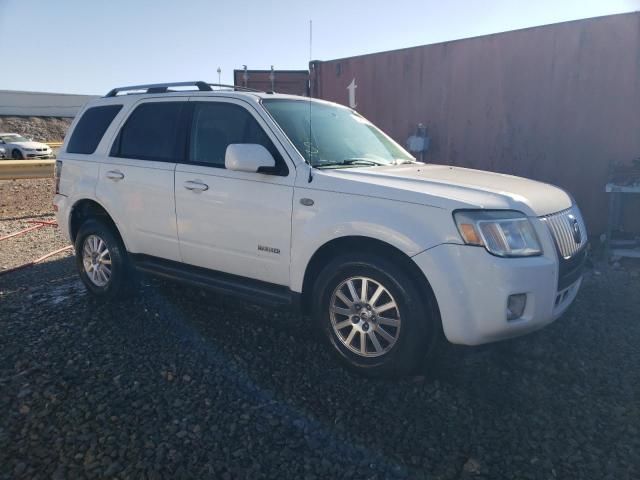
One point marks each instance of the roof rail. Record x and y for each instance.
(164, 87)
(236, 87)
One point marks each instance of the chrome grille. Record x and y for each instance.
(562, 225)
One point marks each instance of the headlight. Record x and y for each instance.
(29, 149)
(505, 233)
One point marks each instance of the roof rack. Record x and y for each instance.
(164, 87)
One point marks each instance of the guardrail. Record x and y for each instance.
(15, 169)
(54, 144)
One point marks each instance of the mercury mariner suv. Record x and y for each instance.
(286, 200)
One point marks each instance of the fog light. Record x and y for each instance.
(515, 306)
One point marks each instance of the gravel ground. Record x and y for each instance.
(181, 383)
(30, 245)
(26, 199)
(21, 202)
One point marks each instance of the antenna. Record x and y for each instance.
(310, 40)
(310, 179)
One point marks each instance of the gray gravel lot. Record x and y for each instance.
(182, 383)
(25, 199)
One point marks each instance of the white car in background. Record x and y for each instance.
(19, 148)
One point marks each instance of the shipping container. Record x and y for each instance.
(557, 103)
(293, 82)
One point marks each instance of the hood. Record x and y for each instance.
(449, 187)
(30, 144)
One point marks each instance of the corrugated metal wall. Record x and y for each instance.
(39, 104)
(557, 103)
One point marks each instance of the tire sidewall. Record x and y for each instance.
(119, 260)
(414, 329)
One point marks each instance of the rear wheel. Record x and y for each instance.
(17, 154)
(372, 314)
(102, 261)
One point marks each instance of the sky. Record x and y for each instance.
(90, 46)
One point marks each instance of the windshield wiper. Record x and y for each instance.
(353, 161)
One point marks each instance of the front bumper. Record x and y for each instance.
(472, 288)
(41, 155)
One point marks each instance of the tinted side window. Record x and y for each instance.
(217, 125)
(150, 132)
(91, 127)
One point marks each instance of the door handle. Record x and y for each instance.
(196, 186)
(115, 175)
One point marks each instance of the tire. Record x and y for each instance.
(17, 154)
(403, 334)
(108, 281)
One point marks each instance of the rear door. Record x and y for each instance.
(136, 180)
(229, 221)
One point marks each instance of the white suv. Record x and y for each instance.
(286, 200)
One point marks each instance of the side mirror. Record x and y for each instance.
(248, 157)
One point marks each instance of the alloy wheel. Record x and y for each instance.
(365, 317)
(96, 260)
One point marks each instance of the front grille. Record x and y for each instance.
(567, 226)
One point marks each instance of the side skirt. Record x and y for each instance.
(253, 291)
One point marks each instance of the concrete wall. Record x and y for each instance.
(558, 103)
(37, 104)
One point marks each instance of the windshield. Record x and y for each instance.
(13, 138)
(336, 136)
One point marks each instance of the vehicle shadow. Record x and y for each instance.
(37, 276)
(464, 402)
(247, 328)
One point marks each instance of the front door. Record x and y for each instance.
(228, 221)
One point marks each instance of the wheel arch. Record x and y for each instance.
(359, 244)
(87, 208)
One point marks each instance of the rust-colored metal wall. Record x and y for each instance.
(557, 103)
(294, 82)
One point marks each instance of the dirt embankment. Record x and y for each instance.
(41, 129)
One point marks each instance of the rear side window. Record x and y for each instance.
(91, 127)
(217, 125)
(150, 132)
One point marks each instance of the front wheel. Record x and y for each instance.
(17, 154)
(372, 314)
(102, 261)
